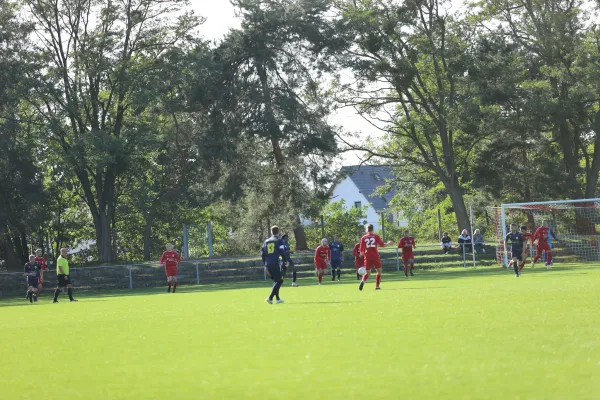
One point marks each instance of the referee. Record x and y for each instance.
(62, 275)
(271, 251)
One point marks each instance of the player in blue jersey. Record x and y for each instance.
(515, 240)
(271, 253)
(33, 272)
(287, 261)
(337, 256)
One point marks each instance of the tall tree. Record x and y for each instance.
(99, 58)
(557, 37)
(276, 95)
(21, 191)
(409, 61)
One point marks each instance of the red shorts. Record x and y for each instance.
(171, 271)
(407, 255)
(320, 264)
(543, 246)
(372, 263)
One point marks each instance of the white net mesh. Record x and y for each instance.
(575, 224)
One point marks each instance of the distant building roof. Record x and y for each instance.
(367, 179)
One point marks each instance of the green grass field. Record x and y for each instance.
(444, 334)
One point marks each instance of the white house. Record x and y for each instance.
(356, 187)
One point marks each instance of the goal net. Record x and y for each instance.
(574, 223)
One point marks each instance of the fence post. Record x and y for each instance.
(397, 260)
(210, 238)
(186, 247)
(130, 279)
(197, 273)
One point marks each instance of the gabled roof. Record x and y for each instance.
(367, 178)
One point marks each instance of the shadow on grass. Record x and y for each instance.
(441, 274)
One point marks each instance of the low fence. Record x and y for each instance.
(228, 270)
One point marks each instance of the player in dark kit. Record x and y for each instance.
(515, 240)
(271, 253)
(33, 272)
(287, 261)
(337, 256)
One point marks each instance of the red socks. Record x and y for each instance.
(365, 277)
(377, 280)
(549, 258)
(320, 278)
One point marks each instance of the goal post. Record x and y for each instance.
(575, 224)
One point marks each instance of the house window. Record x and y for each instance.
(357, 204)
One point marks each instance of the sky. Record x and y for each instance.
(220, 18)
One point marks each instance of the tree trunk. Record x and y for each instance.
(10, 256)
(460, 209)
(103, 239)
(591, 186)
(300, 235)
(148, 232)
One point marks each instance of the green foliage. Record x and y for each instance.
(348, 224)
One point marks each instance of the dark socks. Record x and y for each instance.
(30, 296)
(70, 291)
(339, 273)
(275, 290)
(56, 293)
(174, 287)
(294, 275)
(169, 290)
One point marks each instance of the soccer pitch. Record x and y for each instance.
(444, 334)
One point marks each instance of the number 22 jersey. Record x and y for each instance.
(368, 245)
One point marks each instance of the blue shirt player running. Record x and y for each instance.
(32, 271)
(337, 249)
(271, 253)
(287, 261)
(515, 240)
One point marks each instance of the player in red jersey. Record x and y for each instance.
(42, 261)
(541, 235)
(359, 259)
(322, 259)
(406, 245)
(170, 260)
(368, 248)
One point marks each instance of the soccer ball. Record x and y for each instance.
(362, 271)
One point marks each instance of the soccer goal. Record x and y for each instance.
(574, 223)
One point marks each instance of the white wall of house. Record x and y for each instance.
(346, 190)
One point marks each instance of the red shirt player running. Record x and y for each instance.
(541, 235)
(359, 260)
(42, 261)
(322, 259)
(406, 245)
(170, 259)
(368, 247)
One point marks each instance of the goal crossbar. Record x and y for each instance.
(579, 205)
